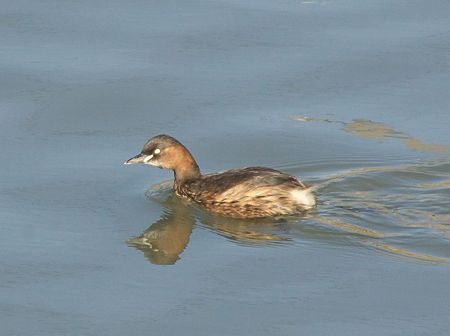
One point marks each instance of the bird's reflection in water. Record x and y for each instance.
(164, 241)
(253, 232)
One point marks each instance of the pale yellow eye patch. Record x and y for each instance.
(157, 151)
(148, 158)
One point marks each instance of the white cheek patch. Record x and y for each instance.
(148, 158)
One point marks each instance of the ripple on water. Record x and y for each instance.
(406, 204)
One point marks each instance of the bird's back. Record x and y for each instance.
(248, 192)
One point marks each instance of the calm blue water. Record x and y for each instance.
(350, 96)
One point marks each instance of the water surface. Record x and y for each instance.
(351, 97)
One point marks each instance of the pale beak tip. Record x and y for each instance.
(135, 159)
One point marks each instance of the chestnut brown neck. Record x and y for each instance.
(183, 164)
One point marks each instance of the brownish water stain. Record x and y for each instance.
(368, 129)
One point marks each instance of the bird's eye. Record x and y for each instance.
(157, 151)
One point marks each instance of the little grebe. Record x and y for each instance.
(246, 193)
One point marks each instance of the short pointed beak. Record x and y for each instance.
(136, 159)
